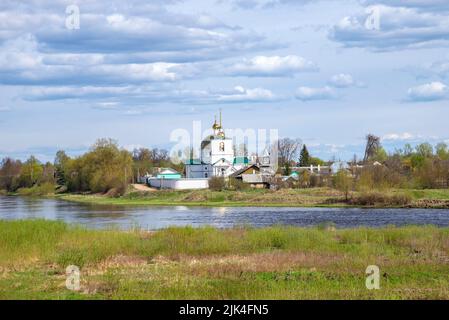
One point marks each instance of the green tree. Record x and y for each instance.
(408, 150)
(343, 182)
(423, 151)
(103, 168)
(304, 158)
(60, 164)
(317, 161)
(380, 155)
(31, 173)
(304, 179)
(9, 174)
(107, 167)
(287, 168)
(442, 151)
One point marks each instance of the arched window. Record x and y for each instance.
(222, 146)
(205, 175)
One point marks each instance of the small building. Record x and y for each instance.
(252, 169)
(319, 170)
(253, 176)
(168, 173)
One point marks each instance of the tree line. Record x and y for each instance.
(105, 167)
(421, 167)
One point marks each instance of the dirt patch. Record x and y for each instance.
(264, 262)
(143, 188)
(119, 261)
(195, 197)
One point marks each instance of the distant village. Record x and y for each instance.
(218, 160)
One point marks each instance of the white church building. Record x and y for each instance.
(217, 158)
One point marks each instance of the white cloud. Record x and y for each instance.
(398, 136)
(429, 92)
(309, 93)
(399, 28)
(420, 4)
(241, 94)
(22, 63)
(139, 72)
(342, 80)
(264, 4)
(272, 66)
(145, 95)
(441, 68)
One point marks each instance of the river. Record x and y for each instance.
(153, 218)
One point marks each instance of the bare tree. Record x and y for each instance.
(288, 150)
(372, 146)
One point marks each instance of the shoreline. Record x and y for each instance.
(103, 200)
(293, 198)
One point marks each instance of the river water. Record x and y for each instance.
(152, 218)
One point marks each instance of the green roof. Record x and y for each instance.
(241, 160)
(193, 161)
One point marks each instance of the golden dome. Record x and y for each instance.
(216, 126)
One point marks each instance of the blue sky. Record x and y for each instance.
(137, 71)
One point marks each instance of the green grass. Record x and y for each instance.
(41, 190)
(314, 197)
(207, 263)
(439, 194)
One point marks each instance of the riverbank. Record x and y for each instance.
(206, 263)
(314, 197)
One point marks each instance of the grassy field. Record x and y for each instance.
(206, 263)
(313, 197)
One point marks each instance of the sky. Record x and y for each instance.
(328, 72)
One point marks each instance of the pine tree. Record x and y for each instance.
(304, 159)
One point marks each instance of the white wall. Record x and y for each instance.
(179, 184)
(197, 171)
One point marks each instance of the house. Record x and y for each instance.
(254, 176)
(252, 169)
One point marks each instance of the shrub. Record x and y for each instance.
(42, 190)
(343, 182)
(377, 198)
(433, 174)
(379, 177)
(237, 184)
(217, 184)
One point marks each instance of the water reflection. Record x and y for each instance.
(95, 216)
